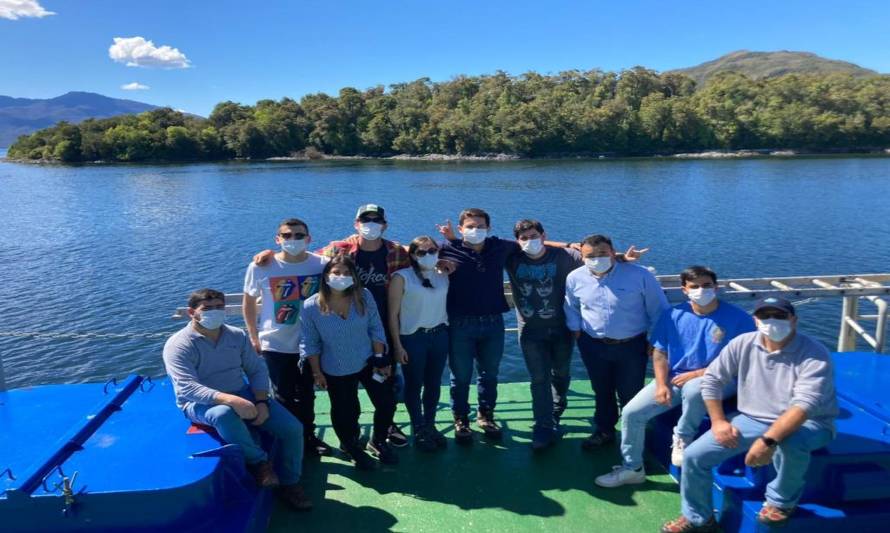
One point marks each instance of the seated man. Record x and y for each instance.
(787, 407)
(685, 340)
(207, 361)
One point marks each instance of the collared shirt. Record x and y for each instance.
(200, 368)
(622, 304)
(477, 285)
(343, 344)
(800, 374)
(691, 341)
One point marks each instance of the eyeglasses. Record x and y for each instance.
(777, 314)
(288, 236)
(422, 253)
(376, 219)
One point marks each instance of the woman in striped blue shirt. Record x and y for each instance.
(344, 341)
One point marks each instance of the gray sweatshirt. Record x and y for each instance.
(199, 369)
(800, 374)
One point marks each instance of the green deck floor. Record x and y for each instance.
(484, 487)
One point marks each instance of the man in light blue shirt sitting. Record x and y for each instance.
(207, 362)
(685, 340)
(609, 307)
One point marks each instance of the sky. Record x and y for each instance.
(192, 54)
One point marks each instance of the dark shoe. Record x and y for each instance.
(314, 446)
(542, 438)
(462, 432)
(396, 436)
(358, 456)
(423, 441)
(438, 438)
(773, 516)
(597, 440)
(263, 474)
(383, 452)
(485, 420)
(682, 525)
(295, 497)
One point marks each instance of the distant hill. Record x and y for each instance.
(19, 116)
(772, 64)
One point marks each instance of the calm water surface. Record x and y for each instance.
(114, 249)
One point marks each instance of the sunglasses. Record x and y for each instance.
(371, 219)
(777, 314)
(422, 253)
(288, 235)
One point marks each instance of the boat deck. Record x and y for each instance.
(484, 487)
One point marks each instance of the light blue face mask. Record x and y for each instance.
(774, 329)
(598, 265)
(212, 319)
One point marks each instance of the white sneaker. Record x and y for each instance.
(621, 475)
(677, 451)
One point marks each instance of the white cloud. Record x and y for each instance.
(16, 9)
(138, 52)
(135, 86)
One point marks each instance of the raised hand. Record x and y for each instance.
(632, 254)
(447, 230)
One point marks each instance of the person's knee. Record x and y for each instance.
(221, 414)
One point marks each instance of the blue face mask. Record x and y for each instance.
(212, 319)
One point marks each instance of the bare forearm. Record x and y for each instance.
(248, 309)
(314, 364)
(378, 346)
(660, 367)
(715, 410)
(787, 424)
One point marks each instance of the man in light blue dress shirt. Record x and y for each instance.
(610, 306)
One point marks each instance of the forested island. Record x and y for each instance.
(632, 112)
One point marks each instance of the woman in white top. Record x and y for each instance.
(418, 324)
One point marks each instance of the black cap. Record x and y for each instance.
(370, 208)
(774, 302)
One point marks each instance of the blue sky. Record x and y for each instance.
(245, 51)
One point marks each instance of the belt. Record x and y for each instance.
(433, 329)
(607, 340)
(478, 318)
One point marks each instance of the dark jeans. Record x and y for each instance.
(548, 353)
(345, 406)
(479, 339)
(427, 355)
(293, 386)
(613, 368)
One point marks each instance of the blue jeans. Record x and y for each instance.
(613, 369)
(479, 339)
(791, 460)
(283, 425)
(643, 408)
(427, 355)
(547, 352)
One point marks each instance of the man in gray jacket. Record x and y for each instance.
(207, 362)
(787, 407)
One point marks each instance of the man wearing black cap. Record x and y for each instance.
(787, 407)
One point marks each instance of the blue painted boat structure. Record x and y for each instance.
(848, 481)
(130, 460)
(133, 463)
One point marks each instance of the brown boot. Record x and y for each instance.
(485, 421)
(295, 497)
(462, 432)
(263, 474)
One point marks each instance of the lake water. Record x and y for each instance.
(114, 249)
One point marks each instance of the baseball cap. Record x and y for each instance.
(370, 208)
(774, 302)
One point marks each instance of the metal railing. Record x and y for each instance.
(853, 288)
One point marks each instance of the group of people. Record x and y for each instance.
(361, 308)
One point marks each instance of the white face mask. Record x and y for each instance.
(774, 329)
(702, 296)
(532, 246)
(428, 262)
(212, 319)
(293, 246)
(370, 230)
(474, 235)
(598, 265)
(339, 283)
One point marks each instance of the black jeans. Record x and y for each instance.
(293, 386)
(345, 406)
(613, 368)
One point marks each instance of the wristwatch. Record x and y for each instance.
(770, 442)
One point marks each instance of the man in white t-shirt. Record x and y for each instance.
(292, 276)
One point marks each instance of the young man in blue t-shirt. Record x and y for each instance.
(685, 340)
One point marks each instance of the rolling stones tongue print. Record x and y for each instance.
(288, 293)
